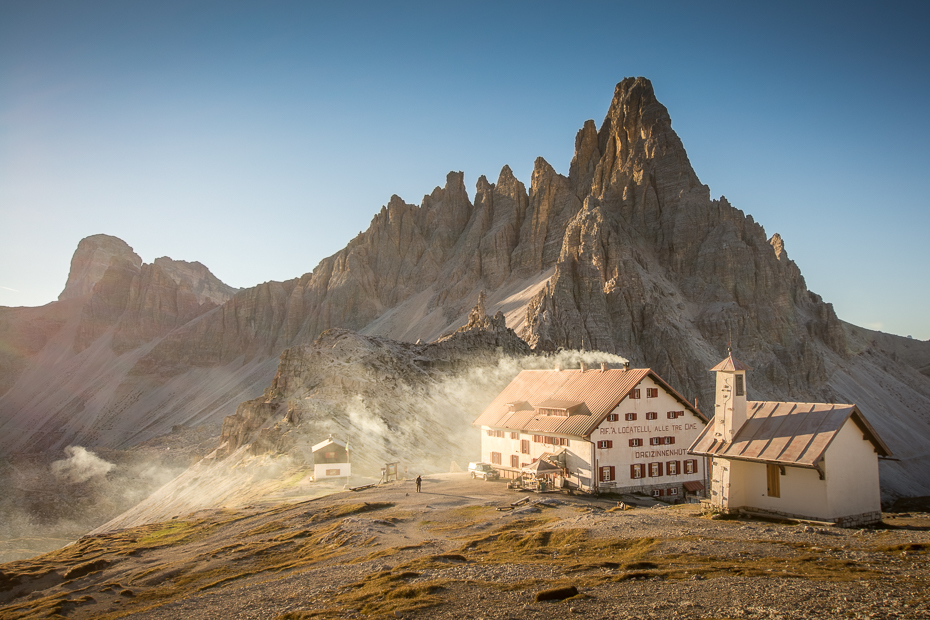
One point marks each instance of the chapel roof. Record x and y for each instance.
(787, 433)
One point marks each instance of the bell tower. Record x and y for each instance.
(730, 405)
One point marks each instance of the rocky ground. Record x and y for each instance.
(459, 550)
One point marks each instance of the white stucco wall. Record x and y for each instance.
(852, 474)
(850, 485)
(320, 470)
(803, 493)
(507, 446)
(621, 455)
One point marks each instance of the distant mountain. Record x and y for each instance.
(626, 254)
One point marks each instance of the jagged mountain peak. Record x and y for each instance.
(91, 259)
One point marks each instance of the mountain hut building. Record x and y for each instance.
(609, 430)
(331, 459)
(816, 461)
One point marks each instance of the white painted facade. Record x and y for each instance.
(652, 432)
(331, 470)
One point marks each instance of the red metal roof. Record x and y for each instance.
(786, 433)
(693, 486)
(598, 391)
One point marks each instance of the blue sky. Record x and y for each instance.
(258, 138)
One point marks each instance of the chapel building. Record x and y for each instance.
(815, 461)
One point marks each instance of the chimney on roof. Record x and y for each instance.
(603, 366)
(626, 365)
(584, 367)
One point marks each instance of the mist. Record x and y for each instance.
(49, 500)
(378, 398)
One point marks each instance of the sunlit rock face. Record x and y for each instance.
(92, 259)
(628, 253)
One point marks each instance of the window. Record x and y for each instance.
(607, 473)
(636, 442)
(668, 440)
(538, 439)
(525, 446)
(652, 392)
(691, 466)
(613, 417)
(515, 435)
(605, 444)
(634, 393)
(740, 390)
(514, 461)
(672, 491)
(495, 458)
(655, 441)
(671, 468)
(636, 471)
(652, 415)
(489, 432)
(655, 470)
(675, 414)
(657, 492)
(774, 482)
(630, 417)
(499, 434)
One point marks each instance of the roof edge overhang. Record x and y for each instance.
(678, 396)
(870, 434)
(815, 466)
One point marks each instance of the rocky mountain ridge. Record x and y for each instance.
(626, 254)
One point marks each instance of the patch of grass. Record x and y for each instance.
(382, 553)
(175, 533)
(268, 528)
(391, 593)
(344, 510)
(916, 547)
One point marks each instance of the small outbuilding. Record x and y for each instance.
(331, 459)
(816, 461)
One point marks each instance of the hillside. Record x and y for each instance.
(458, 550)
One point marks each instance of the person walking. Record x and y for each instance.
(419, 481)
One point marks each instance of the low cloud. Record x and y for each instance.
(80, 466)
